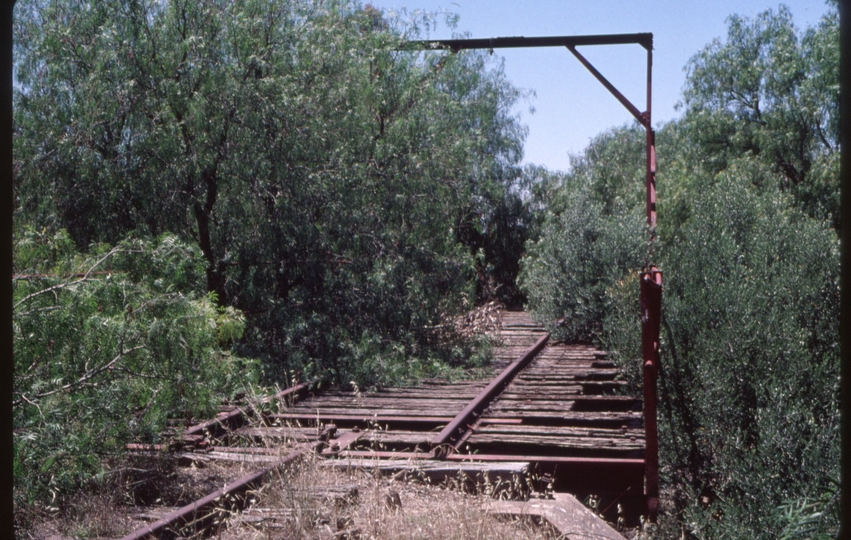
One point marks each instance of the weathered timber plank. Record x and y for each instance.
(439, 471)
(286, 433)
(412, 393)
(566, 514)
(624, 418)
(415, 400)
(365, 413)
(412, 438)
(564, 406)
(542, 398)
(381, 418)
(151, 513)
(567, 374)
(569, 392)
(555, 393)
(593, 443)
(187, 459)
(561, 431)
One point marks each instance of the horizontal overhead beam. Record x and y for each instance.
(644, 39)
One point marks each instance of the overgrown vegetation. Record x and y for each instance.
(748, 221)
(202, 183)
(216, 196)
(108, 345)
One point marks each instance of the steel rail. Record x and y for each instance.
(455, 429)
(236, 415)
(200, 511)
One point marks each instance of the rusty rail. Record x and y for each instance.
(455, 429)
(200, 513)
(229, 419)
(616, 474)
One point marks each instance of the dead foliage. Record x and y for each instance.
(483, 320)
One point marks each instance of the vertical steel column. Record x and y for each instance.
(651, 149)
(651, 315)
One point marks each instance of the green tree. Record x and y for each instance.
(107, 347)
(772, 92)
(749, 389)
(592, 235)
(326, 178)
(748, 182)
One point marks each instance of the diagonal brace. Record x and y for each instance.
(641, 117)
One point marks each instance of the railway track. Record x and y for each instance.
(547, 421)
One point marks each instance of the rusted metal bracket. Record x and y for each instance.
(571, 42)
(645, 39)
(642, 117)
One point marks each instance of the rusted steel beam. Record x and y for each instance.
(201, 511)
(644, 39)
(651, 314)
(633, 110)
(650, 149)
(456, 428)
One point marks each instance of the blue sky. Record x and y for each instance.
(570, 105)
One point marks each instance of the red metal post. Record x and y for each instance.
(651, 315)
(651, 149)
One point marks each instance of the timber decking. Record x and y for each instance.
(561, 414)
(556, 425)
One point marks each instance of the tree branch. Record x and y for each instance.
(84, 277)
(89, 375)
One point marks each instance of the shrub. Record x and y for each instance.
(108, 345)
(581, 253)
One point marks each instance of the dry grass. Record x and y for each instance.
(144, 486)
(483, 320)
(305, 501)
(313, 502)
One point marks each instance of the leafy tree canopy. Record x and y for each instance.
(772, 92)
(338, 190)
